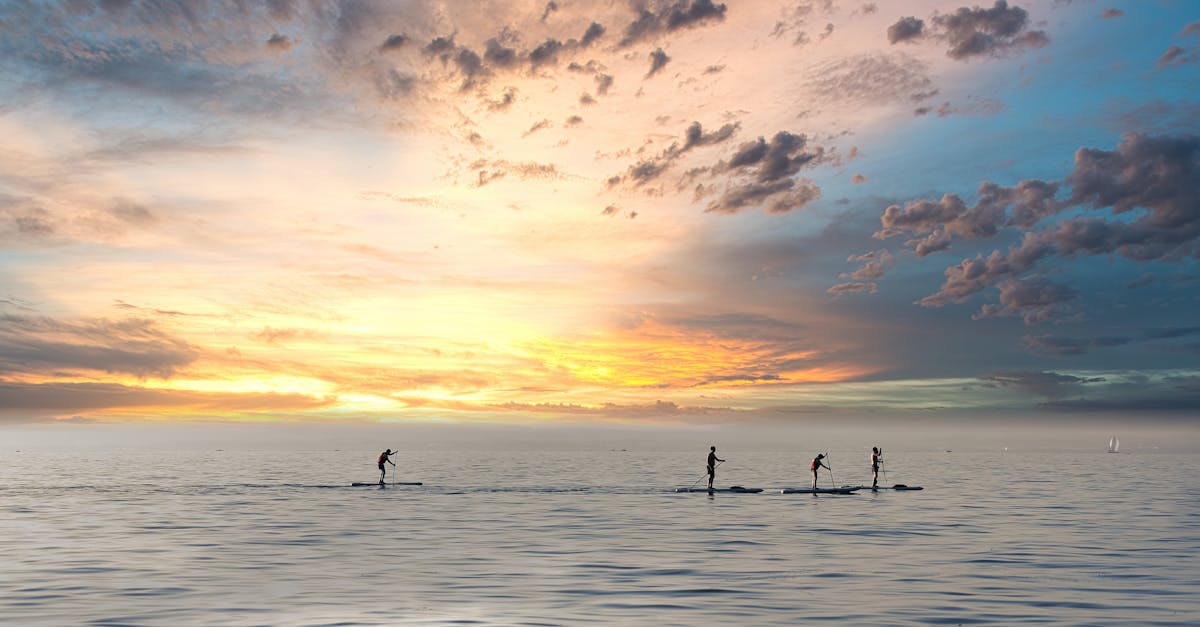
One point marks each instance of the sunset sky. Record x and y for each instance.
(622, 211)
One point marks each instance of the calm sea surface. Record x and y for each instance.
(278, 538)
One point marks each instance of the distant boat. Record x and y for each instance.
(1113, 444)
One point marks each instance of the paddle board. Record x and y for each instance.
(898, 486)
(357, 484)
(735, 489)
(848, 489)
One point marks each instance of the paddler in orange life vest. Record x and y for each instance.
(815, 465)
(383, 459)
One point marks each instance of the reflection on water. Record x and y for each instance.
(241, 538)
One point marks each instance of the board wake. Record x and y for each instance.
(737, 489)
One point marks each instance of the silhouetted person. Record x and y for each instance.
(816, 465)
(712, 465)
(383, 459)
(876, 458)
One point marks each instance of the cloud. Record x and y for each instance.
(1174, 55)
(658, 60)
(874, 268)
(1149, 186)
(694, 137)
(987, 32)
(604, 82)
(280, 43)
(760, 174)
(594, 32)
(1063, 346)
(871, 78)
(905, 29)
(487, 172)
(973, 32)
(1048, 384)
(133, 346)
(671, 17)
(1035, 300)
(394, 42)
(778, 196)
(1139, 395)
(855, 287)
(543, 124)
(25, 401)
(1112, 13)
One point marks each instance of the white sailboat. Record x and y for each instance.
(1113, 444)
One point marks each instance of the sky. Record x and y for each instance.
(624, 212)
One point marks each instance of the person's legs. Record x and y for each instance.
(712, 474)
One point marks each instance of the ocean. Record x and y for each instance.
(527, 537)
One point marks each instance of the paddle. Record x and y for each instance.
(882, 467)
(829, 466)
(705, 475)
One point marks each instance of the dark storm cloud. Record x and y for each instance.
(905, 29)
(658, 60)
(132, 346)
(1146, 192)
(651, 23)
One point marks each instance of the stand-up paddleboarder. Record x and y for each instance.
(712, 465)
(816, 465)
(876, 458)
(383, 459)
